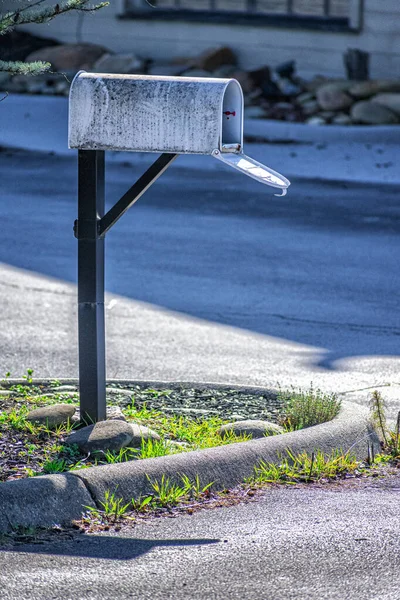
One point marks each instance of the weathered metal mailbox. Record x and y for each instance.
(139, 113)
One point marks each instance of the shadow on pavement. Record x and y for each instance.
(107, 547)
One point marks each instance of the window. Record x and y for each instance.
(319, 14)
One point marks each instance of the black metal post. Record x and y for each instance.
(92, 363)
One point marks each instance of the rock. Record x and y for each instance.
(139, 433)
(118, 63)
(288, 87)
(342, 119)
(170, 70)
(69, 57)
(244, 79)
(333, 96)
(196, 73)
(316, 120)
(371, 113)
(65, 388)
(366, 89)
(315, 83)
(104, 435)
(260, 76)
(113, 413)
(52, 416)
(226, 71)
(305, 97)
(17, 45)
(213, 58)
(391, 101)
(254, 112)
(4, 80)
(251, 427)
(310, 108)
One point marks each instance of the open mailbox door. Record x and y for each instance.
(254, 169)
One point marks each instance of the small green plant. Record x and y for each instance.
(390, 439)
(197, 491)
(167, 493)
(305, 467)
(112, 508)
(305, 409)
(56, 465)
(28, 376)
(123, 455)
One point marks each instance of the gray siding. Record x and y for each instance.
(315, 51)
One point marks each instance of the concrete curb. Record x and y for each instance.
(46, 500)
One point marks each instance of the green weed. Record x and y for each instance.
(305, 409)
(112, 508)
(305, 468)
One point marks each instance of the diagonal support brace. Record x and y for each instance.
(135, 192)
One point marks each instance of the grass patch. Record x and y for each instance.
(307, 408)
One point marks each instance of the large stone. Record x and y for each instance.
(69, 57)
(371, 113)
(342, 119)
(118, 63)
(213, 58)
(52, 416)
(251, 427)
(17, 45)
(104, 435)
(366, 89)
(391, 101)
(254, 112)
(139, 433)
(333, 96)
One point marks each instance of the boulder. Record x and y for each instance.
(342, 119)
(69, 57)
(366, 89)
(52, 416)
(254, 112)
(139, 433)
(371, 113)
(17, 45)
(333, 96)
(316, 120)
(310, 108)
(196, 73)
(391, 101)
(104, 435)
(211, 59)
(252, 427)
(118, 63)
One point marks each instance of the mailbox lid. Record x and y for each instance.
(252, 168)
(142, 113)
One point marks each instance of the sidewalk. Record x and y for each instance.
(336, 153)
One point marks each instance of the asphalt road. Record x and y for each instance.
(209, 277)
(327, 543)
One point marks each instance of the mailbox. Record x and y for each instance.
(178, 115)
(137, 113)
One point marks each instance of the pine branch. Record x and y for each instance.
(44, 14)
(22, 68)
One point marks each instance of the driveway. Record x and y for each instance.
(209, 277)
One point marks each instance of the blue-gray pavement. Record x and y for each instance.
(209, 278)
(317, 543)
(338, 153)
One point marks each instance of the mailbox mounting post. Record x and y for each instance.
(139, 113)
(90, 229)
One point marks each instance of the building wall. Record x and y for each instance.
(314, 51)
